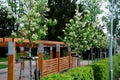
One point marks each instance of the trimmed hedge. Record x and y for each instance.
(97, 71)
(57, 77)
(101, 70)
(81, 73)
(116, 65)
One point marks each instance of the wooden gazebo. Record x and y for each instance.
(53, 65)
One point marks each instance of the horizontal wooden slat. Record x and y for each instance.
(1, 39)
(8, 39)
(3, 44)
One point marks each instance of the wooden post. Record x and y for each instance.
(69, 56)
(22, 53)
(11, 61)
(58, 55)
(40, 58)
(51, 53)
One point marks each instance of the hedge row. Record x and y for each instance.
(81, 73)
(101, 70)
(96, 71)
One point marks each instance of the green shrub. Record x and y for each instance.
(57, 77)
(101, 71)
(101, 68)
(116, 65)
(82, 73)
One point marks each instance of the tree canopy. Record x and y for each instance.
(62, 11)
(32, 22)
(83, 34)
(6, 23)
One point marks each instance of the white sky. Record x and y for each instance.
(104, 13)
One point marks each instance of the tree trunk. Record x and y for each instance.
(78, 61)
(88, 58)
(30, 63)
(92, 54)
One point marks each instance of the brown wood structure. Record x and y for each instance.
(53, 65)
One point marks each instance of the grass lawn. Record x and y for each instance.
(4, 59)
(3, 66)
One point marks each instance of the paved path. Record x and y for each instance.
(3, 72)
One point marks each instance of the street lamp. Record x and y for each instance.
(111, 36)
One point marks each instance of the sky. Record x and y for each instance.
(104, 13)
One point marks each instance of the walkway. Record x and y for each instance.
(3, 72)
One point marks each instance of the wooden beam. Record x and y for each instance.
(58, 55)
(26, 42)
(51, 52)
(69, 56)
(40, 58)
(22, 53)
(50, 42)
(11, 61)
(1, 39)
(3, 44)
(8, 39)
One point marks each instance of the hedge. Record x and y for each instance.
(101, 70)
(57, 77)
(116, 65)
(81, 73)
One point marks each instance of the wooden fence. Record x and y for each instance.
(52, 65)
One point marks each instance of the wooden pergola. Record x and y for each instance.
(13, 43)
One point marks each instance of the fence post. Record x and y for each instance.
(51, 52)
(22, 53)
(69, 56)
(11, 61)
(40, 58)
(58, 55)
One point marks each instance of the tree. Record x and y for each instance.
(32, 23)
(77, 35)
(62, 11)
(6, 23)
(84, 33)
(93, 9)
